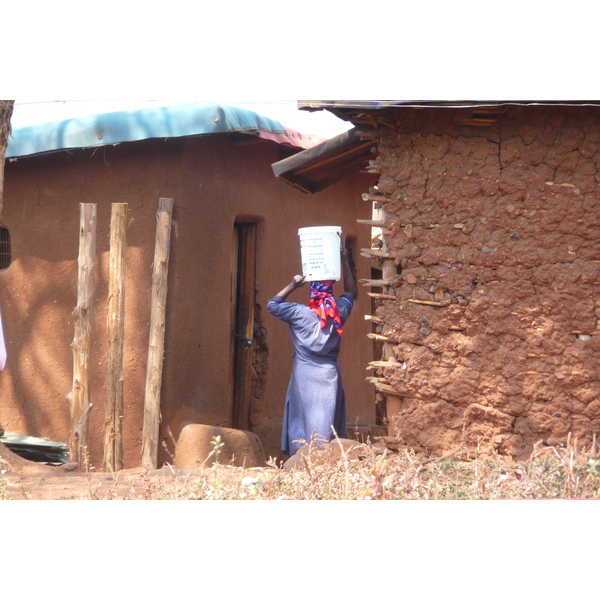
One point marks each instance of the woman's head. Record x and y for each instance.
(321, 287)
(323, 304)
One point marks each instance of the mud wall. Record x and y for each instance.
(214, 181)
(499, 225)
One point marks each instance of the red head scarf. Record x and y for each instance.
(324, 305)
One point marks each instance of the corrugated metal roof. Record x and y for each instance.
(380, 104)
(353, 110)
(164, 122)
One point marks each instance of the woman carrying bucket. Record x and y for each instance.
(315, 399)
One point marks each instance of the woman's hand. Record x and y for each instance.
(298, 281)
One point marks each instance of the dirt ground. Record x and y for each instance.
(133, 484)
(364, 472)
(21, 479)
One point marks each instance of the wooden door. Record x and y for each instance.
(243, 297)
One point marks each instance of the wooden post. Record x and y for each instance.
(113, 415)
(393, 404)
(6, 110)
(80, 395)
(150, 431)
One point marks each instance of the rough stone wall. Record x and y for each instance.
(498, 224)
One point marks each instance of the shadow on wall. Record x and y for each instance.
(37, 302)
(37, 299)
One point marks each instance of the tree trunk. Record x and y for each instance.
(6, 109)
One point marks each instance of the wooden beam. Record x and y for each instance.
(355, 150)
(384, 364)
(428, 302)
(381, 338)
(374, 319)
(382, 296)
(150, 430)
(376, 198)
(80, 394)
(388, 274)
(113, 413)
(393, 406)
(378, 253)
(370, 222)
(375, 282)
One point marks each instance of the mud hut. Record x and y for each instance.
(486, 264)
(234, 244)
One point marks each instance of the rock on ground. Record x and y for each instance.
(196, 447)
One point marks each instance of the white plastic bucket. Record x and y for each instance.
(320, 253)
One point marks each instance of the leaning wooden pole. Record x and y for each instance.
(150, 431)
(113, 415)
(80, 394)
(6, 110)
(393, 402)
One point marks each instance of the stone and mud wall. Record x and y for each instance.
(499, 226)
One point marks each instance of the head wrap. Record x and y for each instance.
(324, 305)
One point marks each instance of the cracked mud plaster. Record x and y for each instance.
(501, 224)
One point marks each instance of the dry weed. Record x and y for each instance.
(376, 474)
(551, 472)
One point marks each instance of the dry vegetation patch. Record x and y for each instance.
(368, 474)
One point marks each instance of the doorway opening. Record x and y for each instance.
(243, 286)
(5, 249)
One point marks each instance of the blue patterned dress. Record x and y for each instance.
(315, 397)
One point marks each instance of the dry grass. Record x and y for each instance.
(372, 474)
(551, 472)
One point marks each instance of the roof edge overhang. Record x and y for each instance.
(381, 104)
(315, 169)
(348, 110)
(166, 122)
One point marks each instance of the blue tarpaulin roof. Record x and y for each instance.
(164, 122)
